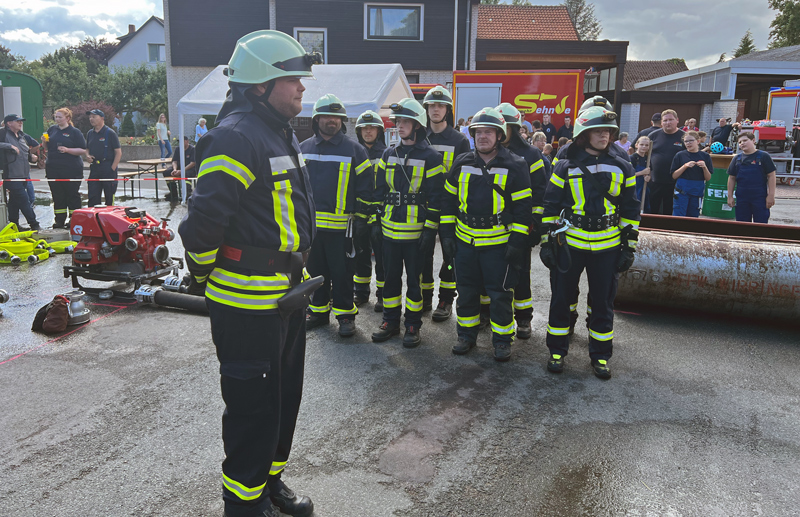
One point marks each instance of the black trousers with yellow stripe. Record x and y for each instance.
(447, 281)
(328, 257)
(363, 276)
(261, 375)
(396, 255)
(486, 269)
(602, 276)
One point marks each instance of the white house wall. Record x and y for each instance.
(135, 51)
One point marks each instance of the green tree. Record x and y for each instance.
(127, 129)
(140, 88)
(583, 18)
(7, 59)
(785, 28)
(490, 2)
(746, 45)
(98, 50)
(520, 2)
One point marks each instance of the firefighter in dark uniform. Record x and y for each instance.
(342, 181)
(615, 150)
(370, 133)
(438, 104)
(409, 190)
(523, 299)
(104, 153)
(486, 217)
(590, 221)
(250, 223)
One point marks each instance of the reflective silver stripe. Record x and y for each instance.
(409, 163)
(282, 163)
(444, 148)
(246, 301)
(229, 166)
(230, 279)
(469, 169)
(247, 494)
(499, 170)
(328, 158)
(287, 224)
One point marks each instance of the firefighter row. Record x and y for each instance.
(489, 207)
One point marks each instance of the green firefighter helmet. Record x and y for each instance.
(595, 117)
(438, 94)
(369, 118)
(597, 100)
(329, 105)
(265, 55)
(488, 117)
(409, 108)
(510, 113)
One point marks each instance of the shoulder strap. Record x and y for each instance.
(588, 175)
(505, 195)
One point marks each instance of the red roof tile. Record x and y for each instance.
(523, 22)
(638, 71)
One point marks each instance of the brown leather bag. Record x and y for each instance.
(53, 317)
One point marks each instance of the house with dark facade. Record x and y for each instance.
(429, 38)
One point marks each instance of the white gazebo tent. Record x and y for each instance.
(360, 88)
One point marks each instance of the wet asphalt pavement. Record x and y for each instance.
(121, 416)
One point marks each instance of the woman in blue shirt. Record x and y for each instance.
(754, 176)
(200, 129)
(691, 168)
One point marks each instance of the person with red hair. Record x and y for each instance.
(65, 148)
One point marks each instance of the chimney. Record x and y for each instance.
(131, 29)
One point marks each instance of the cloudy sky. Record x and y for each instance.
(694, 30)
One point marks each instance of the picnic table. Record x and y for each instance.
(149, 166)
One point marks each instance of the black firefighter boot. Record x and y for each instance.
(443, 311)
(286, 500)
(411, 338)
(316, 319)
(524, 330)
(385, 332)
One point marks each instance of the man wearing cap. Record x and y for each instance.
(15, 156)
(249, 227)
(655, 123)
(104, 153)
(342, 182)
(438, 104)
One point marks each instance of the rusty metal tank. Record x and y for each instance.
(724, 267)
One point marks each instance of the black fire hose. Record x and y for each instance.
(165, 298)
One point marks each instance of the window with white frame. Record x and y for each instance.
(155, 53)
(313, 39)
(404, 22)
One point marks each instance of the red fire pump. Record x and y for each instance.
(119, 244)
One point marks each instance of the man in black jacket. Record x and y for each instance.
(15, 157)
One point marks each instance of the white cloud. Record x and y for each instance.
(26, 35)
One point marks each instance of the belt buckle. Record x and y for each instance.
(396, 199)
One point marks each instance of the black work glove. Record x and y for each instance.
(547, 253)
(448, 246)
(427, 241)
(196, 288)
(361, 233)
(625, 260)
(515, 256)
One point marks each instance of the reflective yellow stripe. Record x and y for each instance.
(626, 222)
(439, 169)
(446, 285)
(538, 210)
(320, 308)
(558, 331)
(450, 188)
(277, 467)
(207, 257)
(425, 286)
(341, 189)
(341, 312)
(433, 225)
(229, 166)
(537, 165)
(630, 181)
(362, 279)
(364, 166)
(469, 321)
(411, 305)
(592, 246)
(502, 329)
(278, 282)
(578, 197)
(447, 219)
(601, 336)
(498, 201)
(523, 304)
(283, 211)
(485, 300)
(522, 194)
(557, 181)
(550, 219)
(332, 221)
(241, 491)
(463, 190)
(520, 228)
(391, 302)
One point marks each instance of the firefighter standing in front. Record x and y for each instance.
(249, 226)
(590, 221)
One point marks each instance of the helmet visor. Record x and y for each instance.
(401, 111)
(300, 64)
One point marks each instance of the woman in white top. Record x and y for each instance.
(200, 129)
(163, 134)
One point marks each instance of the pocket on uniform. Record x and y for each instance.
(244, 370)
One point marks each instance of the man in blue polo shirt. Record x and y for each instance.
(104, 153)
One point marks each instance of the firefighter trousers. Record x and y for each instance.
(396, 254)
(523, 299)
(363, 275)
(484, 268)
(602, 277)
(100, 189)
(66, 199)
(447, 281)
(328, 257)
(261, 376)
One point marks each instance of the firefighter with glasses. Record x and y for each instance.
(486, 217)
(342, 182)
(591, 222)
(409, 190)
(249, 227)
(523, 300)
(450, 143)
(370, 133)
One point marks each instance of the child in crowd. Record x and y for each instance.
(753, 174)
(639, 162)
(692, 168)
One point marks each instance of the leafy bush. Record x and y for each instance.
(127, 129)
(81, 120)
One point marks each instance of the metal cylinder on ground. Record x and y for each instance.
(723, 267)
